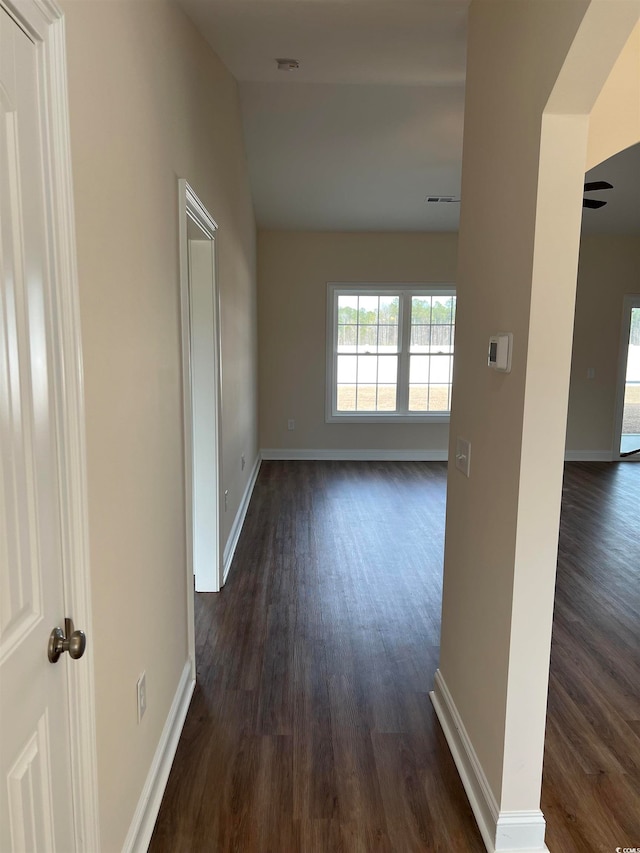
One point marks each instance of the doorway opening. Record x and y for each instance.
(201, 360)
(627, 432)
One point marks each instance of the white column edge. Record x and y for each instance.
(502, 832)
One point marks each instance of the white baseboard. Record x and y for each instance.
(521, 831)
(144, 819)
(234, 535)
(588, 456)
(357, 455)
(502, 832)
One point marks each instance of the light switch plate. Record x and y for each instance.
(463, 456)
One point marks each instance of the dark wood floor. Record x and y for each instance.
(311, 729)
(591, 787)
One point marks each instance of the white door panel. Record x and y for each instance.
(35, 813)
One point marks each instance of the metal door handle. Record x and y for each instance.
(74, 642)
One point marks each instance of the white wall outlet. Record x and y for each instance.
(591, 373)
(141, 688)
(463, 456)
(291, 424)
(243, 462)
(226, 499)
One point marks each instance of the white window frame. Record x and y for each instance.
(405, 291)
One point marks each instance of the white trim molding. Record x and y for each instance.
(35, 17)
(191, 208)
(630, 301)
(146, 813)
(520, 831)
(236, 529)
(356, 455)
(419, 455)
(588, 456)
(502, 832)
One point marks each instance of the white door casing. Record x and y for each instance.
(201, 358)
(630, 301)
(48, 780)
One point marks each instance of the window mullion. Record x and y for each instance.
(377, 356)
(403, 355)
(334, 377)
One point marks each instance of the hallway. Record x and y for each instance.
(311, 727)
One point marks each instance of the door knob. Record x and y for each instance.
(74, 642)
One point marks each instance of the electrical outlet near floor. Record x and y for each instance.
(242, 462)
(291, 424)
(463, 456)
(142, 695)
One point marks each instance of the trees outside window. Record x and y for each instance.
(390, 351)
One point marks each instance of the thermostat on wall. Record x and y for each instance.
(500, 346)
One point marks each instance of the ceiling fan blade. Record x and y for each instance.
(593, 203)
(597, 185)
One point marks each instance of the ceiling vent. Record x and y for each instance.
(442, 199)
(287, 64)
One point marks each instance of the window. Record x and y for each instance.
(390, 352)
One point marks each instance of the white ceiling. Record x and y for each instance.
(371, 123)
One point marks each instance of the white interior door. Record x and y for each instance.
(36, 811)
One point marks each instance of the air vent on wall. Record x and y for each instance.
(287, 64)
(440, 199)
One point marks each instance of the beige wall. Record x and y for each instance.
(609, 267)
(149, 103)
(293, 270)
(614, 123)
(517, 255)
(514, 255)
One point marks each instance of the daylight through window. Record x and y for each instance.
(390, 351)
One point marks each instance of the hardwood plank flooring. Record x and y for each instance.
(311, 728)
(591, 784)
